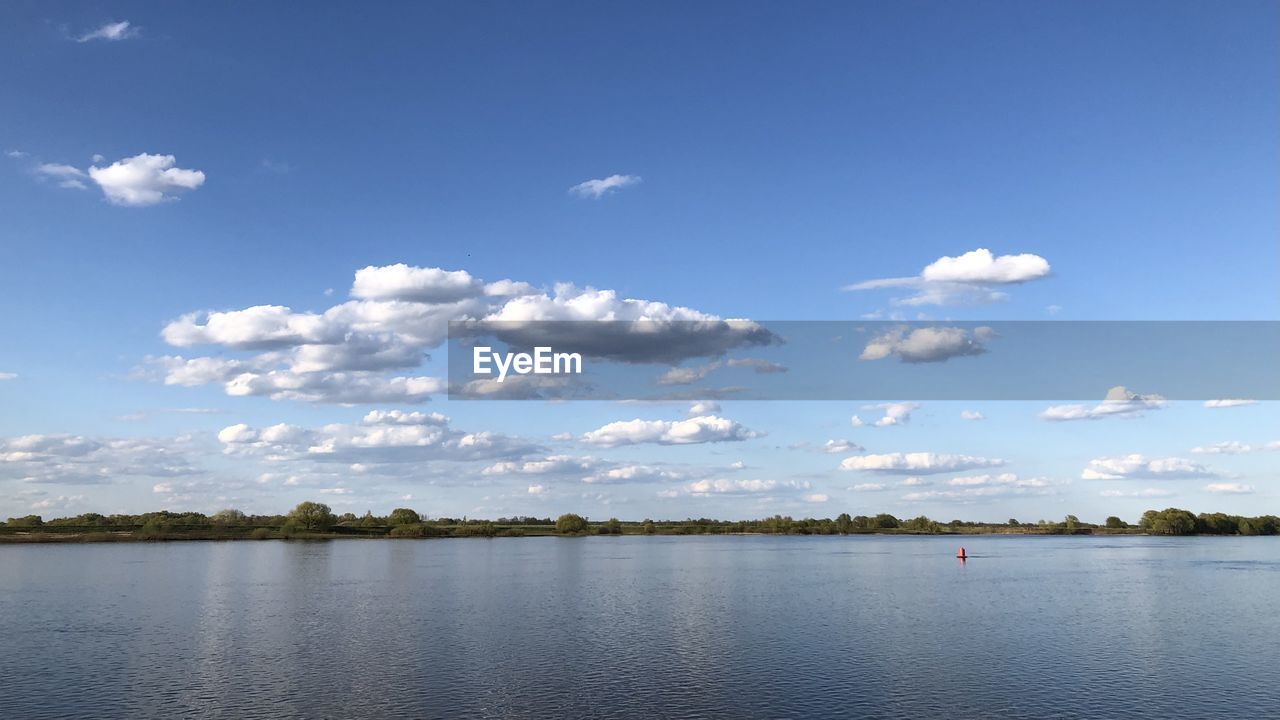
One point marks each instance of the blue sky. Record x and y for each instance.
(783, 152)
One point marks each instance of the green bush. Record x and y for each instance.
(418, 530)
(571, 524)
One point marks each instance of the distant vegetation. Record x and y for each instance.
(312, 520)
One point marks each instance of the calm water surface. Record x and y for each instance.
(736, 627)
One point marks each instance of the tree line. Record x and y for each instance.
(318, 519)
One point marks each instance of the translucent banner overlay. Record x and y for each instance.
(862, 360)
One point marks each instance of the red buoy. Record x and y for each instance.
(961, 554)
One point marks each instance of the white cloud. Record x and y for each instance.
(400, 312)
(1003, 479)
(1229, 488)
(742, 487)
(966, 279)
(415, 284)
(705, 407)
(972, 415)
(634, 474)
(983, 487)
(701, 429)
(915, 482)
(894, 414)
(1230, 447)
(1119, 402)
(869, 487)
(978, 493)
(841, 446)
(1144, 493)
(924, 463)
(550, 465)
(537, 490)
(1229, 403)
(595, 189)
(111, 32)
(1138, 466)
(80, 460)
(144, 180)
(8, 376)
(65, 175)
(981, 266)
(379, 438)
(815, 498)
(927, 344)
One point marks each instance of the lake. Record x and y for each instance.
(663, 627)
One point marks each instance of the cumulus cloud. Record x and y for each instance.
(922, 463)
(415, 284)
(635, 473)
(1119, 402)
(928, 344)
(1229, 403)
(144, 180)
(706, 407)
(1138, 466)
(380, 437)
(550, 465)
(894, 414)
(8, 376)
(638, 331)
(701, 429)
(111, 32)
(869, 487)
(972, 415)
(80, 460)
(967, 279)
(595, 189)
(536, 489)
(400, 312)
(841, 446)
(1229, 488)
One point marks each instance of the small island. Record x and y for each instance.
(317, 521)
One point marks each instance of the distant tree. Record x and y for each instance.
(921, 524)
(1013, 522)
(571, 524)
(1170, 521)
(230, 516)
(1116, 523)
(369, 520)
(1070, 522)
(612, 526)
(885, 521)
(403, 516)
(648, 527)
(844, 523)
(312, 516)
(26, 521)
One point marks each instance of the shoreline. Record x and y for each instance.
(124, 536)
